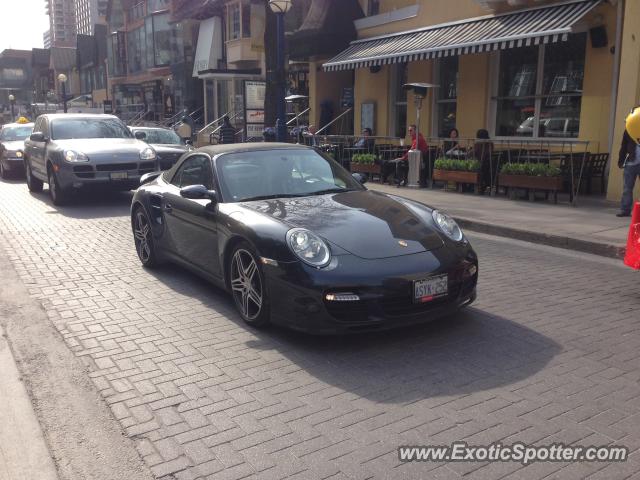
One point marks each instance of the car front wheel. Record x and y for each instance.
(143, 238)
(248, 286)
(58, 195)
(33, 184)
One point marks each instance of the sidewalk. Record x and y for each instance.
(591, 227)
(23, 451)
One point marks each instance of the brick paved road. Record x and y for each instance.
(550, 352)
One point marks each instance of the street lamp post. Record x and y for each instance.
(62, 78)
(280, 7)
(12, 101)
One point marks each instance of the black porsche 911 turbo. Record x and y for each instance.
(298, 241)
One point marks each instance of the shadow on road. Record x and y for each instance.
(85, 204)
(469, 352)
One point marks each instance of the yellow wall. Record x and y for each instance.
(373, 87)
(628, 90)
(326, 86)
(473, 94)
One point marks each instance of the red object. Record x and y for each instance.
(632, 256)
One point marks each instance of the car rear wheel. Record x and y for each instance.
(248, 286)
(143, 238)
(3, 172)
(58, 195)
(33, 183)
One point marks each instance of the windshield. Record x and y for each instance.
(64, 129)
(280, 173)
(12, 134)
(161, 137)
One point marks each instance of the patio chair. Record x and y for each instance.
(580, 171)
(597, 167)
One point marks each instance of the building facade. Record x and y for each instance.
(88, 13)
(62, 22)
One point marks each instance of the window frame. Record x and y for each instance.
(179, 170)
(437, 101)
(538, 96)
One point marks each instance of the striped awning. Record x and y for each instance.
(483, 34)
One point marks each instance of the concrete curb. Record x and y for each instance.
(559, 241)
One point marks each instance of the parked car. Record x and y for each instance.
(12, 137)
(559, 127)
(168, 145)
(72, 151)
(298, 241)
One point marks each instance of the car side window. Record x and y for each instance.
(195, 170)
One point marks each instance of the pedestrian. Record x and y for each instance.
(365, 142)
(227, 131)
(401, 165)
(482, 151)
(629, 160)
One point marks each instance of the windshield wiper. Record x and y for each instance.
(332, 190)
(271, 197)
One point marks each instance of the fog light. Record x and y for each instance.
(342, 297)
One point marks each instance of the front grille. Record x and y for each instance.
(116, 167)
(147, 167)
(84, 171)
(348, 312)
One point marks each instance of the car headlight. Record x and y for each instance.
(447, 225)
(148, 154)
(308, 247)
(74, 156)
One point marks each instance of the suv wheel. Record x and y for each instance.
(33, 183)
(58, 195)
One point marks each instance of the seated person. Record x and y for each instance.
(451, 147)
(401, 165)
(365, 142)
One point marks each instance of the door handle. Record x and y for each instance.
(168, 208)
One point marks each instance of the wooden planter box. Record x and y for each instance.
(458, 177)
(370, 168)
(546, 184)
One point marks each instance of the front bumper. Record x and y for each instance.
(384, 287)
(13, 164)
(119, 176)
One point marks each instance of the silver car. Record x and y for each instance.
(12, 137)
(72, 151)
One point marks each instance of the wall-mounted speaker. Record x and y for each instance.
(598, 36)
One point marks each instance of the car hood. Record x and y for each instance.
(90, 146)
(168, 148)
(14, 145)
(367, 224)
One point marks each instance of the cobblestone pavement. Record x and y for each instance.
(549, 353)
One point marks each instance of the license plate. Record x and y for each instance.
(430, 288)
(118, 175)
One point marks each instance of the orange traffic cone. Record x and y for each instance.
(632, 256)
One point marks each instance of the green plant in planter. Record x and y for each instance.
(530, 169)
(364, 158)
(457, 165)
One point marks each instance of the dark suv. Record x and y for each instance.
(71, 151)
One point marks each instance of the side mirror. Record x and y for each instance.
(198, 192)
(140, 135)
(360, 178)
(38, 137)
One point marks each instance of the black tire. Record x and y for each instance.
(248, 286)
(143, 238)
(58, 195)
(33, 183)
(4, 174)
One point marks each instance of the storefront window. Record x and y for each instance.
(541, 104)
(399, 127)
(446, 95)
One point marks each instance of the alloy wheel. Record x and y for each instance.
(143, 238)
(246, 284)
